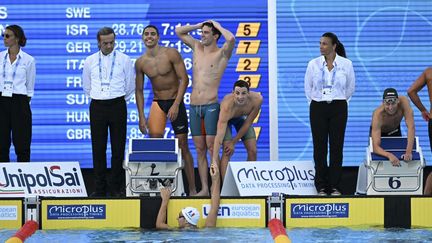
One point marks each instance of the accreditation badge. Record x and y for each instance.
(7, 89)
(105, 88)
(327, 93)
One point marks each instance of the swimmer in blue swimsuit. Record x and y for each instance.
(209, 64)
(238, 109)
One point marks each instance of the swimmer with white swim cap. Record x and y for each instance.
(189, 217)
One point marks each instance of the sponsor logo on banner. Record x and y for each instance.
(58, 179)
(235, 211)
(264, 178)
(90, 214)
(319, 210)
(90, 211)
(8, 212)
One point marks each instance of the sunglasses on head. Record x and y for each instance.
(6, 36)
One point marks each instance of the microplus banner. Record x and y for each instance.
(51, 179)
(264, 178)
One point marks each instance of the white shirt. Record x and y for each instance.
(123, 75)
(25, 74)
(317, 75)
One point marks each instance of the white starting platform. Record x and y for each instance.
(153, 163)
(377, 175)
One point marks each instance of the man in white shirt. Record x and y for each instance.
(109, 80)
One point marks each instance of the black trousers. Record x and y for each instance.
(15, 126)
(108, 115)
(328, 123)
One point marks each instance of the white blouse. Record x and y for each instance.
(22, 72)
(341, 79)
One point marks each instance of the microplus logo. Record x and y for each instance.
(91, 211)
(52, 176)
(319, 210)
(286, 174)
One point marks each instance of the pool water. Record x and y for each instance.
(203, 235)
(378, 235)
(250, 235)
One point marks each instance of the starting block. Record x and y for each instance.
(153, 163)
(377, 176)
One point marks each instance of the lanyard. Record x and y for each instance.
(112, 66)
(15, 68)
(333, 76)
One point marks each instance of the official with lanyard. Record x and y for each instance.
(329, 84)
(109, 80)
(17, 80)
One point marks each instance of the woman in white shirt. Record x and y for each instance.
(329, 84)
(17, 78)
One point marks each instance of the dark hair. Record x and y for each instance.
(19, 34)
(242, 84)
(340, 49)
(151, 26)
(105, 31)
(215, 31)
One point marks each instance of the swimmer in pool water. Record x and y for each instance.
(188, 217)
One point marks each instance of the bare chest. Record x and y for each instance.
(243, 111)
(156, 66)
(208, 62)
(390, 123)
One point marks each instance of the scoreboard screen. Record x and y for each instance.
(61, 34)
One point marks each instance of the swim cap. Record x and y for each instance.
(390, 93)
(191, 215)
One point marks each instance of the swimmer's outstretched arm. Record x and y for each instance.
(162, 215)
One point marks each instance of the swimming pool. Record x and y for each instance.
(228, 235)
